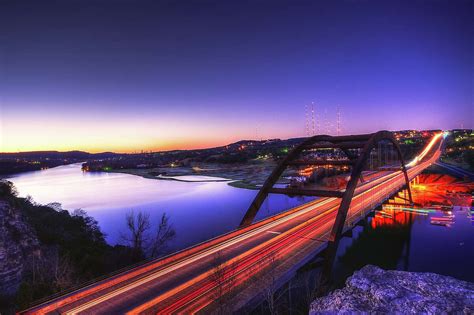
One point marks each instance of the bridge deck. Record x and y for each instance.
(186, 282)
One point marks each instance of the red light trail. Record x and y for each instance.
(182, 282)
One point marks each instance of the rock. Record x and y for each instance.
(17, 243)
(374, 290)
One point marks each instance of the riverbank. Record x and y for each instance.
(30, 249)
(246, 176)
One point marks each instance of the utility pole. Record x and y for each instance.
(306, 113)
(326, 121)
(338, 122)
(318, 118)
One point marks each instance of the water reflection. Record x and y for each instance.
(382, 241)
(435, 235)
(197, 210)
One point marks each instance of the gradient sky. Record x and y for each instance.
(156, 75)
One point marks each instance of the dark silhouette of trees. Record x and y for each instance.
(223, 277)
(163, 234)
(140, 237)
(72, 248)
(138, 225)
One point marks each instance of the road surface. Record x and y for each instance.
(197, 279)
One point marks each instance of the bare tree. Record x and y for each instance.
(63, 273)
(264, 276)
(270, 282)
(138, 225)
(163, 234)
(141, 239)
(50, 270)
(223, 277)
(310, 283)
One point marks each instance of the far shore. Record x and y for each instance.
(245, 177)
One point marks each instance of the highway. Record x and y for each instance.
(189, 282)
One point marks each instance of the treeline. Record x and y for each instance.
(13, 166)
(235, 153)
(460, 149)
(13, 163)
(73, 249)
(56, 155)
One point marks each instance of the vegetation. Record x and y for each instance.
(73, 248)
(13, 163)
(460, 149)
(144, 242)
(236, 153)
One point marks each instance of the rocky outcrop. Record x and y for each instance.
(17, 243)
(375, 290)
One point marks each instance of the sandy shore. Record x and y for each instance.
(247, 176)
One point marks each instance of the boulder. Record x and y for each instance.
(374, 290)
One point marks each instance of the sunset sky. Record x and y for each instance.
(155, 75)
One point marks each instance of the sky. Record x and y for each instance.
(128, 76)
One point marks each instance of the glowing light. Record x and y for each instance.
(425, 151)
(441, 219)
(418, 186)
(409, 209)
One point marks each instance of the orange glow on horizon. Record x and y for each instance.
(133, 135)
(98, 148)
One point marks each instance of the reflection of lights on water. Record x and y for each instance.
(418, 186)
(391, 207)
(398, 218)
(306, 171)
(441, 219)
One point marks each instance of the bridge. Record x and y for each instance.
(229, 270)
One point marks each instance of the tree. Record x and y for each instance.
(45, 274)
(270, 283)
(138, 225)
(163, 234)
(264, 277)
(56, 206)
(139, 237)
(89, 224)
(223, 277)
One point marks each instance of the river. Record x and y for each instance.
(198, 210)
(402, 239)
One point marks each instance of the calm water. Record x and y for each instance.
(400, 240)
(197, 210)
(409, 241)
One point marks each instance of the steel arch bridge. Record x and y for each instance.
(364, 144)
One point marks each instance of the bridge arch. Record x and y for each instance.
(365, 142)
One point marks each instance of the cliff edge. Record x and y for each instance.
(17, 243)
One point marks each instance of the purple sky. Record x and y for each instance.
(154, 75)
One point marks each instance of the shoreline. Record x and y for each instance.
(233, 182)
(209, 180)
